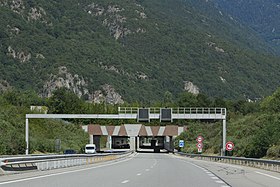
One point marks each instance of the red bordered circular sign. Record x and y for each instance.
(199, 145)
(199, 139)
(229, 146)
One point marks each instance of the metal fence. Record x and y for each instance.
(47, 162)
(272, 165)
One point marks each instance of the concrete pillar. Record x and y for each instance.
(109, 142)
(171, 142)
(138, 143)
(91, 139)
(132, 143)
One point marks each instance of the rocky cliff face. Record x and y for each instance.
(107, 95)
(190, 87)
(78, 85)
(114, 20)
(75, 83)
(4, 86)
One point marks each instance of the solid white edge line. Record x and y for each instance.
(62, 173)
(267, 175)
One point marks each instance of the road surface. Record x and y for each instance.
(147, 170)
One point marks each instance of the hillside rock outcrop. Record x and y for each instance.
(78, 85)
(107, 95)
(191, 88)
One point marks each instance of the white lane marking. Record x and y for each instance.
(139, 174)
(220, 182)
(267, 175)
(147, 169)
(62, 173)
(210, 174)
(126, 181)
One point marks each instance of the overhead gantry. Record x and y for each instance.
(142, 115)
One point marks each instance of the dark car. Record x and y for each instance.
(69, 151)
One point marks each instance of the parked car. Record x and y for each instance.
(69, 151)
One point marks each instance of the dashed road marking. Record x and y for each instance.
(126, 181)
(139, 174)
(210, 174)
(220, 182)
(147, 169)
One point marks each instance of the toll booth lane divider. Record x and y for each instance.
(15, 165)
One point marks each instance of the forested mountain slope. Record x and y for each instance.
(261, 15)
(118, 51)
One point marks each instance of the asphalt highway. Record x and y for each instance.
(147, 170)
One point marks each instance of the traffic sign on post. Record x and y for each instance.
(229, 146)
(199, 139)
(181, 143)
(199, 145)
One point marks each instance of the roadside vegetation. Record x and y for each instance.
(254, 127)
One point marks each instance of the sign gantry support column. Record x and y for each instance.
(224, 137)
(26, 136)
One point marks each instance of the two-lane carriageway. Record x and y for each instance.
(140, 170)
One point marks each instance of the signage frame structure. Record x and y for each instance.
(131, 113)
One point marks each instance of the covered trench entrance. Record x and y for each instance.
(135, 136)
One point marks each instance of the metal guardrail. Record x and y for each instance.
(19, 164)
(175, 110)
(271, 165)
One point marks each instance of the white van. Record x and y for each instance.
(90, 149)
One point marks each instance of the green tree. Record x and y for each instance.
(272, 103)
(168, 97)
(187, 99)
(64, 101)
